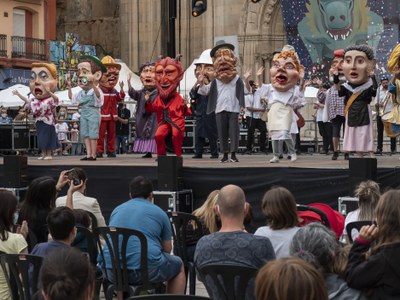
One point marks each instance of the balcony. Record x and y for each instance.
(29, 48)
(3, 45)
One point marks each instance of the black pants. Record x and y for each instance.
(325, 130)
(252, 124)
(379, 126)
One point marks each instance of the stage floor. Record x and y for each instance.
(256, 160)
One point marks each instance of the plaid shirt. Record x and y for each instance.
(335, 104)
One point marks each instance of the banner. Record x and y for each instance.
(318, 27)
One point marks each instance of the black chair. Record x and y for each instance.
(86, 241)
(355, 225)
(228, 282)
(324, 218)
(180, 222)
(92, 218)
(16, 271)
(168, 297)
(116, 241)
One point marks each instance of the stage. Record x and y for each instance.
(312, 178)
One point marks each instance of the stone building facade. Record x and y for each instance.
(137, 31)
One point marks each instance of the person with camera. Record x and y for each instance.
(122, 129)
(79, 199)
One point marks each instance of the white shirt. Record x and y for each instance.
(280, 239)
(227, 100)
(99, 101)
(62, 130)
(253, 101)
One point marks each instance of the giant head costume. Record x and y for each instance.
(109, 79)
(358, 63)
(147, 75)
(394, 60)
(225, 62)
(169, 73)
(204, 66)
(90, 70)
(285, 69)
(43, 79)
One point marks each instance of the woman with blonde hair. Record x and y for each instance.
(209, 220)
(368, 194)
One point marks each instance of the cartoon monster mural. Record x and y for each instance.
(334, 24)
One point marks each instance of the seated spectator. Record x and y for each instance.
(290, 279)
(78, 198)
(61, 223)
(318, 245)
(22, 115)
(12, 243)
(139, 213)
(39, 201)
(378, 271)
(368, 194)
(209, 220)
(279, 207)
(67, 274)
(231, 244)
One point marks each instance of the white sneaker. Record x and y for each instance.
(293, 157)
(275, 159)
(40, 158)
(48, 158)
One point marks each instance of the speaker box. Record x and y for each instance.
(174, 201)
(15, 171)
(361, 169)
(169, 173)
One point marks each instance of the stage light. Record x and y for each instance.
(198, 7)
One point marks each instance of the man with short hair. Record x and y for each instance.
(139, 213)
(61, 224)
(232, 244)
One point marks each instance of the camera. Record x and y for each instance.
(73, 176)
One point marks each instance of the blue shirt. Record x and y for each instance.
(152, 221)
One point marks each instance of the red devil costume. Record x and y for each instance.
(109, 113)
(169, 105)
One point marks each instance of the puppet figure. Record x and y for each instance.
(358, 90)
(206, 126)
(90, 99)
(225, 98)
(392, 119)
(146, 122)
(109, 113)
(169, 105)
(43, 103)
(283, 97)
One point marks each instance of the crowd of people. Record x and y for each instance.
(297, 258)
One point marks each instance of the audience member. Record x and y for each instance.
(76, 148)
(368, 194)
(379, 270)
(290, 279)
(61, 223)
(67, 274)
(4, 118)
(39, 201)
(318, 245)
(122, 129)
(279, 207)
(209, 220)
(140, 214)
(231, 244)
(10, 242)
(80, 200)
(62, 130)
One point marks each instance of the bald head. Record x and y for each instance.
(231, 201)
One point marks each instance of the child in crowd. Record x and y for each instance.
(378, 271)
(76, 145)
(4, 118)
(62, 130)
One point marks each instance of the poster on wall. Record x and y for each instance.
(318, 27)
